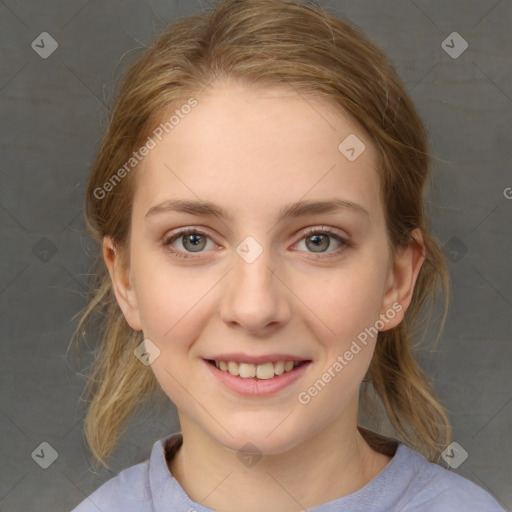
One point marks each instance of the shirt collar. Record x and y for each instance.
(167, 493)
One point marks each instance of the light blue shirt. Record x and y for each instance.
(409, 483)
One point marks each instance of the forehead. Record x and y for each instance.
(258, 148)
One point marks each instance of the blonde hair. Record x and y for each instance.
(268, 43)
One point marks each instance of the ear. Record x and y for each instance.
(122, 283)
(402, 279)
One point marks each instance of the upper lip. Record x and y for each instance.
(244, 358)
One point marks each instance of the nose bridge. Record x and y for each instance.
(255, 297)
(253, 269)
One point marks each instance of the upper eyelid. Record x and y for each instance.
(319, 229)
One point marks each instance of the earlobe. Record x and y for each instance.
(402, 278)
(121, 283)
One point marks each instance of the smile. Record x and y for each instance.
(261, 371)
(263, 379)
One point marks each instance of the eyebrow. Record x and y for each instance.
(294, 210)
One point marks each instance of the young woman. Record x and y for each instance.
(258, 201)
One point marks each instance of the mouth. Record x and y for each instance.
(258, 379)
(262, 371)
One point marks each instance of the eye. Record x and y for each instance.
(191, 240)
(194, 240)
(318, 240)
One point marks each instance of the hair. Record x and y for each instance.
(268, 43)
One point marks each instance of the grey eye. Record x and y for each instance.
(318, 242)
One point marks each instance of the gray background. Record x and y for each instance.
(53, 112)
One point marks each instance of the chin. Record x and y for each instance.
(259, 439)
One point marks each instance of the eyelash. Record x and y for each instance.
(344, 244)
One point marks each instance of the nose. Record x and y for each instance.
(255, 299)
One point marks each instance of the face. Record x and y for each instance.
(253, 278)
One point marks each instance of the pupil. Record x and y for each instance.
(317, 241)
(195, 240)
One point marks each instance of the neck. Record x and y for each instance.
(334, 462)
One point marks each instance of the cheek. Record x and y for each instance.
(345, 308)
(174, 306)
(342, 304)
(170, 298)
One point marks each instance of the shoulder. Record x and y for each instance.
(127, 492)
(436, 488)
(136, 488)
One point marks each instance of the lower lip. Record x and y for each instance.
(257, 387)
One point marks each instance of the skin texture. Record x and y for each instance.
(252, 151)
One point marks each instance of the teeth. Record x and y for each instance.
(279, 367)
(265, 371)
(261, 371)
(247, 370)
(233, 368)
